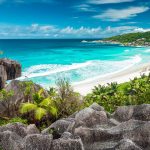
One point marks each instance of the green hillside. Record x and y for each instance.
(140, 38)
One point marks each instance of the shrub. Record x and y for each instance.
(66, 99)
(135, 92)
(41, 107)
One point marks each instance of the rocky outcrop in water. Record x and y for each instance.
(9, 70)
(92, 128)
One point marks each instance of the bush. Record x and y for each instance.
(67, 101)
(135, 92)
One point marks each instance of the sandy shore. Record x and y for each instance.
(86, 86)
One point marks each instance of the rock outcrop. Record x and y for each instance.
(19, 95)
(128, 128)
(9, 70)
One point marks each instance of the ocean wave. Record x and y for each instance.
(48, 69)
(125, 65)
(87, 70)
(147, 51)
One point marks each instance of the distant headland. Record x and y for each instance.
(130, 39)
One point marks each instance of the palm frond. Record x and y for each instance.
(53, 111)
(40, 113)
(27, 107)
(46, 102)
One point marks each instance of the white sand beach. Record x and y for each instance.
(86, 86)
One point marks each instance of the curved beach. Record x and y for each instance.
(86, 87)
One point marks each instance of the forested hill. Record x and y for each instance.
(133, 39)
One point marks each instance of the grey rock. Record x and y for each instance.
(37, 142)
(142, 112)
(90, 117)
(127, 144)
(10, 140)
(13, 68)
(96, 107)
(140, 135)
(123, 113)
(32, 129)
(67, 144)
(18, 128)
(67, 135)
(89, 129)
(60, 126)
(3, 76)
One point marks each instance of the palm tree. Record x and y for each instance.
(40, 106)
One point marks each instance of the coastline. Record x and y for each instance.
(120, 77)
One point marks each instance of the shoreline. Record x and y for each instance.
(120, 77)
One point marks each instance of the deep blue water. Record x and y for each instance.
(44, 61)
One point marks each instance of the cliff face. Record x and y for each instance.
(9, 70)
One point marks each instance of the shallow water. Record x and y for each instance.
(44, 61)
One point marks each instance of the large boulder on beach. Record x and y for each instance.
(12, 68)
(3, 76)
(9, 70)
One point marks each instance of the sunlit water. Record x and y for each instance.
(44, 61)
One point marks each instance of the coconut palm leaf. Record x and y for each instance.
(46, 102)
(27, 107)
(40, 113)
(53, 111)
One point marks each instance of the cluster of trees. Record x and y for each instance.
(63, 101)
(130, 37)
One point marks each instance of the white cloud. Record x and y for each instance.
(141, 30)
(108, 1)
(118, 14)
(85, 7)
(50, 31)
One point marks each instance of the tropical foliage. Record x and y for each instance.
(67, 100)
(135, 92)
(131, 37)
(41, 107)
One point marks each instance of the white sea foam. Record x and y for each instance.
(45, 70)
(147, 51)
(89, 70)
(126, 65)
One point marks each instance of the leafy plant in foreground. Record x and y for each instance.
(41, 107)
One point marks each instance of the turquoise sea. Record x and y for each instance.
(44, 61)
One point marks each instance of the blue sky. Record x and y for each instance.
(72, 18)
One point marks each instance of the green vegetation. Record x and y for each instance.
(135, 92)
(66, 99)
(4, 121)
(59, 103)
(41, 107)
(62, 101)
(140, 38)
